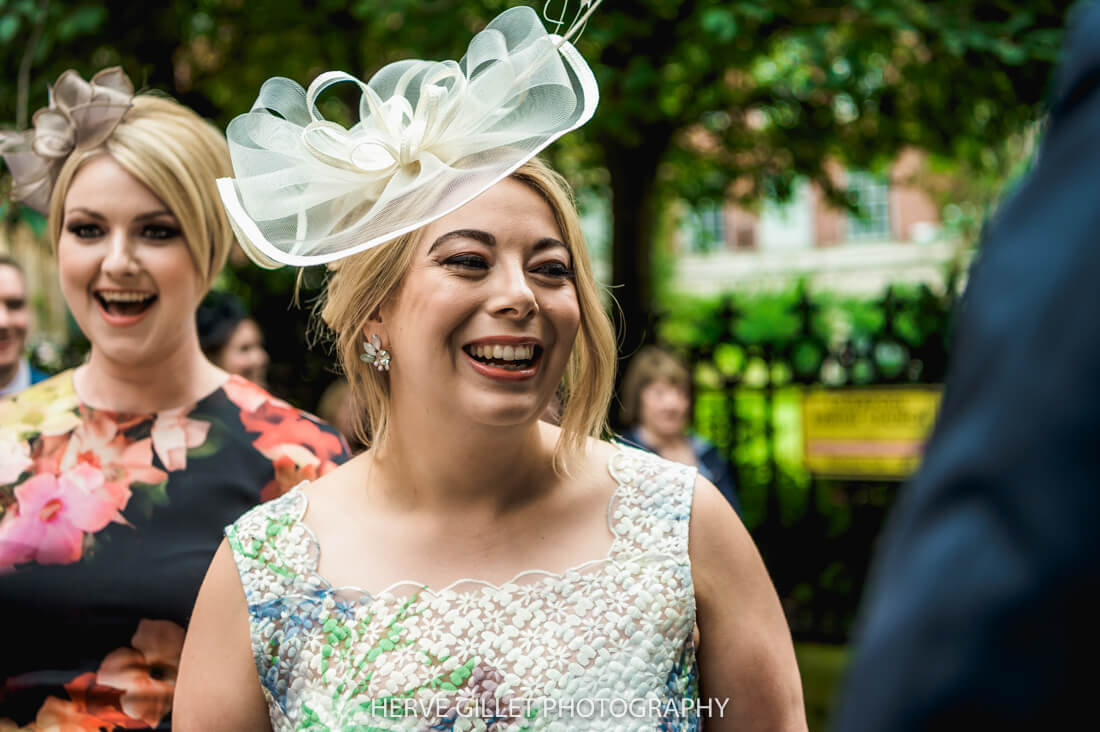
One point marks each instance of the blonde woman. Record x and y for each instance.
(476, 567)
(116, 477)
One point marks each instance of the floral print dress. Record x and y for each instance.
(605, 645)
(108, 522)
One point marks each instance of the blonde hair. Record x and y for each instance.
(650, 365)
(359, 285)
(178, 156)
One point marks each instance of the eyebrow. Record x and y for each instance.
(143, 217)
(490, 240)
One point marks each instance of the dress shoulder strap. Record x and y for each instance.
(651, 509)
(275, 553)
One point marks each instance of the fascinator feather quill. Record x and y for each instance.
(431, 136)
(80, 115)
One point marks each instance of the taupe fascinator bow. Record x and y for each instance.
(80, 115)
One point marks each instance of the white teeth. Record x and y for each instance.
(503, 353)
(114, 296)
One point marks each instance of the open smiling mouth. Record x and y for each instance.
(125, 304)
(509, 358)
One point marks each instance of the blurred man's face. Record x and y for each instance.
(13, 316)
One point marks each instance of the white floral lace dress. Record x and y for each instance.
(606, 645)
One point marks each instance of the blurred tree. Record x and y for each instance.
(702, 99)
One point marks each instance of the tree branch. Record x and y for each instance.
(23, 81)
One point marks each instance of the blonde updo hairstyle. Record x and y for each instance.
(359, 285)
(178, 156)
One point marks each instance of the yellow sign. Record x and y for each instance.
(874, 433)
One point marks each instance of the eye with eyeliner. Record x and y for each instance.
(159, 232)
(554, 269)
(466, 261)
(84, 230)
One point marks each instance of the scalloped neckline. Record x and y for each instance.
(302, 504)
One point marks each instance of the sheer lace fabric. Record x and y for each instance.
(603, 645)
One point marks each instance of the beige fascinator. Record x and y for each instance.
(430, 137)
(80, 115)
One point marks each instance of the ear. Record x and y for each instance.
(375, 326)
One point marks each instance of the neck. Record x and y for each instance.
(182, 378)
(661, 442)
(463, 469)
(8, 373)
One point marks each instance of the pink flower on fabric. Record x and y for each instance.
(53, 514)
(146, 673)
(48, 453)
(247, 395)
(173, 434)
(98, 442)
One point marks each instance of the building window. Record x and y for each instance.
(873, 195)
(705, 228)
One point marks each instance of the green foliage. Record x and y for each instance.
(822, 669)
(752, 355)
(705, 100)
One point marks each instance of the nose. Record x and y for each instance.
(121, 258)
(513, 296)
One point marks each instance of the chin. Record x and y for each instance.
(513, 414)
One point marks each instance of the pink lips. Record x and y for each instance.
(500, 374)
(121, 321)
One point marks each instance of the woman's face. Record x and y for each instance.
(664, 408)
(243, 354)
(485, 318)
(125, 268)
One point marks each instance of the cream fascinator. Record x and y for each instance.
(430, 137)
(80, 115)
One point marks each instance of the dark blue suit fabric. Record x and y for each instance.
(983, 609)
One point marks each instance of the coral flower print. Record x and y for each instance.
(173, 434)
(146, 673)
(53, 514)
(286, 425)
(98, 441)
(293, 464)
(248, 396)
(109, 517)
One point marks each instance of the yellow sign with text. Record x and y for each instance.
(873, 433)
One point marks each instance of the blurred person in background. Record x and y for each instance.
(230, 339)
(16, 372)
(117, 476)
(982, 607)
(337, 407)
(656, 413)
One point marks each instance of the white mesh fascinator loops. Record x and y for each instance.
(430, 137)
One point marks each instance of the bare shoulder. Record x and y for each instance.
(329, 492)
(746, 656)
(218, 687)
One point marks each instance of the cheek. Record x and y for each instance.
(76, 266)
(175, 275)
(565, 313)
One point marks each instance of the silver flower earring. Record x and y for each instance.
(373, 353)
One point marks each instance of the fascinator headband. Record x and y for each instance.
(430, 137)
(80, 115)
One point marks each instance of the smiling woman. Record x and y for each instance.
(116, 477)
(475, 568)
